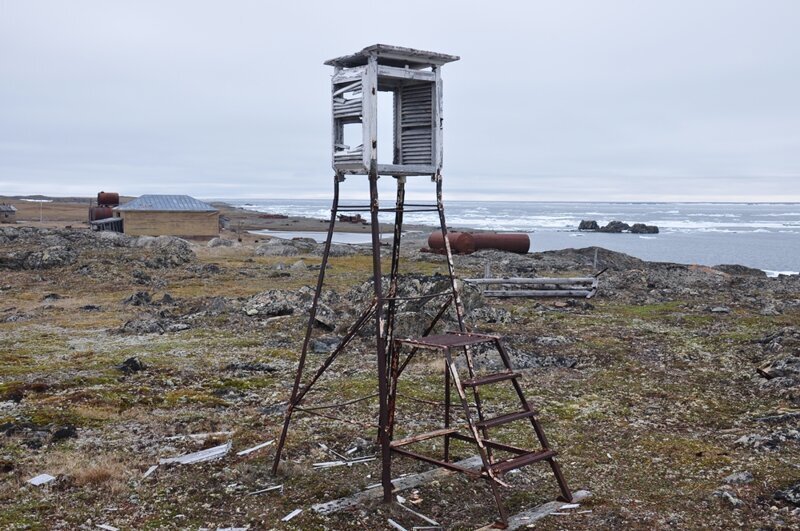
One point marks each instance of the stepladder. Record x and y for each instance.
(464, 418)
(467, 421)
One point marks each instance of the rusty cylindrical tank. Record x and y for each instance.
(466, 242)
(460, 242)
(515, 242)
(108, 199)
(100, 212)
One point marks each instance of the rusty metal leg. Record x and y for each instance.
(447, 411)
(394, 376)
(309, 328)
(449, 253)
(383, 415)
(391, 309)
(566, 494)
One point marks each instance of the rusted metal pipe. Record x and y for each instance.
(468, 242)
(460, 242)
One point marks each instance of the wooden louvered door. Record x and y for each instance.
(414, 124)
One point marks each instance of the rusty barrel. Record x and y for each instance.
(460, 242)
(108, 199)
(101, 212)
(467, 242)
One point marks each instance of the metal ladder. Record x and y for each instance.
(477, 426)
(382, 312)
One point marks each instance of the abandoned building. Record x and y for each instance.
(8, 213)
(172, 215)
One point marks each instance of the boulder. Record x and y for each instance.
(131, 365)
(739, 478)
(140, 298)
(220, 242)
(790, 494)
(281, 247)
(615, 227)
(588, 225)
(641, 228)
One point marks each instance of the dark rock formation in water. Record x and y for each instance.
(615, 226)
(618, 227)
(641, 228)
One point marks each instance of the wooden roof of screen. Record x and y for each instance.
(394, 56)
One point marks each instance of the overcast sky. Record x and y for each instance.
(560, 100)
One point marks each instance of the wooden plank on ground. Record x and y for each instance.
(530, 516)
(400, 484)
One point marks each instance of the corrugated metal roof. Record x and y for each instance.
(172, 203)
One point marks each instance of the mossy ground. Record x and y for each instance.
(646, 421)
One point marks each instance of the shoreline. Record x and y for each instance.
(245, 223)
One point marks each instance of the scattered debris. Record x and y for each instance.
(201, 436)
(291, 515)
(720, 309)
(415, 513)
(348, 462)
(526, 518)
(149, 471)
(400, 484)
(332, 451)
(41, 479)
(268, 489)
(256, 447)
(198, 457)
(396, 525)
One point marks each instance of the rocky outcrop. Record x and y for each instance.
(641, 228)
(615, 227)
(618, 227)
(306, 246)
(26, 248)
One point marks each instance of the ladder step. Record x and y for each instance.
(422, 437)
(501, 467)
(505, 419)
(491, 378)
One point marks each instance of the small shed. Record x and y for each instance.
(172, 215)
(8, 213)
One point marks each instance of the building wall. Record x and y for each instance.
(187, 224)
(8, 217)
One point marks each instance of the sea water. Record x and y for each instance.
(760, 235)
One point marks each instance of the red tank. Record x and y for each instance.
(468, 242)
(100, 212)
(108, 199)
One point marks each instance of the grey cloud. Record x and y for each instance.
(616, 100)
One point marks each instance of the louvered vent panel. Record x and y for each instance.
(348, 100)
(416, 124)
